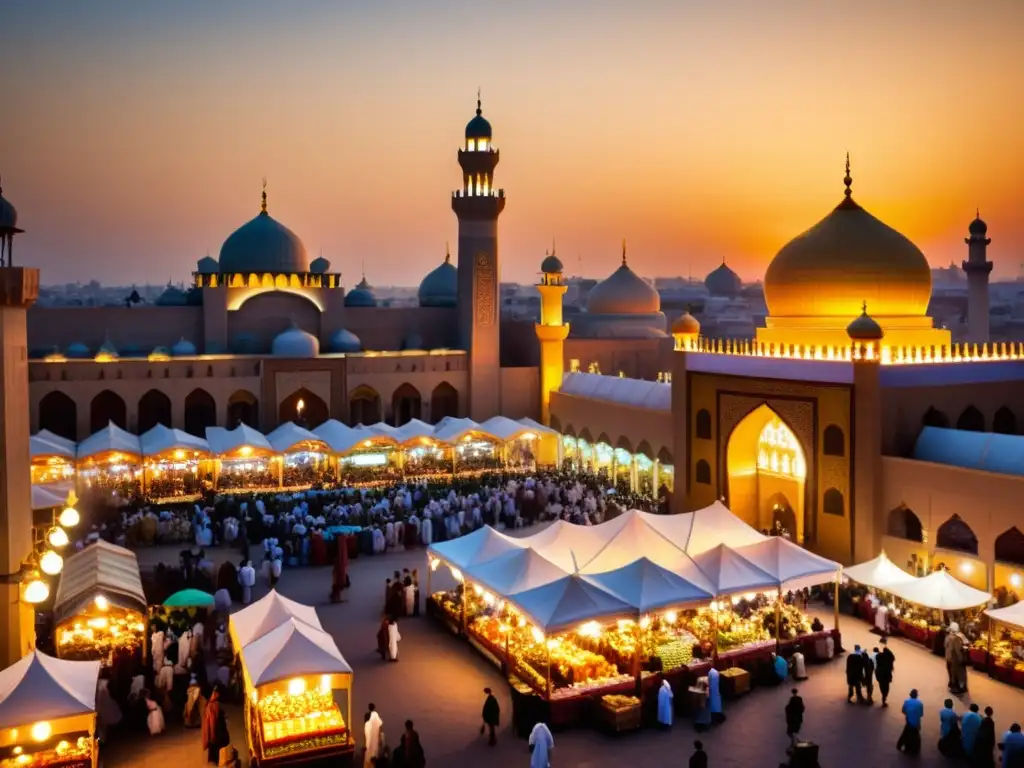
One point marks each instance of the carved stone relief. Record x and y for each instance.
(485, 290)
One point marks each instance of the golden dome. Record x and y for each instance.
(686, 324)
(847, 258)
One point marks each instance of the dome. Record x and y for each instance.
(9, 215)
(361, 295)
(159, 353)
(107, 351)
(686, 323)
(207, 265)
(847, 258)
(172, 297)
(263, 245)
(77, 350)
(440, 288)
(478, 127)
(551, 265)
(722, 281)
(978, 226)
(184, 348)
(320, 266)
(864, 328)
(413, 341)
(295, 342)
(623, 293)
(345, 341)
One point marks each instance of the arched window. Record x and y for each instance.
(364, 406)
(833, 503)
(702, 424)
(107, 407)
(59, 414)
(833, 441)
(1005, 422)
(904, 524)
(405, 404)
(702, 473)
(304, 408)
(957, 535)
(935, 418)
(243, 408)
(971, 420)
(444, 401)
(200, 412)
(1010, 546)
(154, 408)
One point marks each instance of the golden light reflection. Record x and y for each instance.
(779, 453)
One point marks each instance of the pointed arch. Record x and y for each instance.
(971, 420)
(364, 406)
(406, 404)
(904, 524)
(200, 412)
(555, 424)
(444, 401)
(933, 417)
(107, 407)
(702, 472)
(243, 408)
(304, 408)
(624, 444)
(702, 424)
(644, 449)
(1005, 422)
(58, 413)
(833, 503)
(957, 535)
(1010, 546)
(154, 408)
(833, 442)
(665, 456)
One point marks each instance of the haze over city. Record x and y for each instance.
(134, 136)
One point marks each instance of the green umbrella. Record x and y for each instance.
(189, 598)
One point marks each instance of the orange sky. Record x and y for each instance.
(133, 140)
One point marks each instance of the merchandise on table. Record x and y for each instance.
(616, 701)
(66, 753)
(97, 634)
(286, 717)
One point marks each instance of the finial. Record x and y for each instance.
(848, 180)
(447, 253)
(479, 111)
(864, 308)
(263, 205)
(362, 267)
(623, 251)
(552, 246)
(977, 211)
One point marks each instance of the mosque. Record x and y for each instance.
(836, 422)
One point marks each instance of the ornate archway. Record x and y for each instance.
(58, 413)
(107, 407)
(154, 408)
(957, 535)
(364, 406)
(904, 524)
(304, 408)
(243, 408)
(406, 404)
(200, 412)
(444, 401)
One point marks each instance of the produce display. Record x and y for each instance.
(306, 745)
(85, 639)
(675, 654)
(286, 717)
(619, 702)
(64, 753)
(1007, 648)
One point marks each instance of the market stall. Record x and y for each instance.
(99, 605)
(269, 612)
(53, 458)
(1000, 649)
(878, 574)
(929, 600)
(111, 460)
(173, 463)
(363, 456)
(298, 696)
(246, 459)
(306, 456)
(48, 713)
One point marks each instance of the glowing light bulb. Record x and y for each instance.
(296, 686)
(456, 574)
(36, 591)
(57, 538)
(69, 517)
(102, 603)
(41, 731)
(51, 563)
(538, 636)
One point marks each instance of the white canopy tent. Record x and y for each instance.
(792, 566)
(1011, 614)
(290, 437)
(503, 428)
(647, 586)
(413, 431)
(266, 614)
(568, 602)
(731, 573)
(45, 444)
(517, 571)
(452, 429)
(110, 439)
(652, 395)
(38, 687)
(340, 437)
(880, 573)
(293, 649)
(160, 440)
(940, 591)
(480, 546)
(50, 495)
(99, 569)
(227, 442)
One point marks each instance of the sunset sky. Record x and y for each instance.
(133, 135)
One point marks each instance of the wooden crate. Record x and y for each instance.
(619, 720)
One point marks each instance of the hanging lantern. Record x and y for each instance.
(51, 563)
(69, 517)
(57, 537)
(36, 591)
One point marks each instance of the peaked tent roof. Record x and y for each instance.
(714, 525)
(44, 444)
(51, 495)
(268, 613)
(515, 571)
(1011, 614)
(223, 441)
(39, 687)
(652, 395)
(880, 573)
(647, 586)
(100, 568)
(502, 428)
(340, 437)
(110, 439)
(161, 439)
(569, 546)
(940, 591)
(413, 431)
(731, 573)
(451, 429)
(569, 601)
(790, 564)
(536, 426)
(293, 649)
(480, 546)
(289, 436)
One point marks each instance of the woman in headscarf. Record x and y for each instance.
(193, 704)
(541, 745)
(665, 697)
(215, 728)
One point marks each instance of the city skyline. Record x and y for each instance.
(134, 139)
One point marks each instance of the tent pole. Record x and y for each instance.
(714, 642)
(430, 572)
(462, 623)
(988, 654)
(547, 649)
(636, 657)
(778, 618)
(835, 604)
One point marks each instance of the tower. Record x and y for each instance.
(978, 269)
(19, 288)
(551, 332)
(477, 206)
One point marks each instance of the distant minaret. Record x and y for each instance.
(977, 268)
(551, 332)
(478, 205)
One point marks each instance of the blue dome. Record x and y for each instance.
(207, 266)
(77, 350)
(263, 245)
(8, 214)
(361, 296)
(172, 297)
(346, 341)
(319, 266)
(552, 265)
(478, 127)
(107, 349)
(722, 281)
(413, 341)
(440, 288)
(295, 342)
(184, 348)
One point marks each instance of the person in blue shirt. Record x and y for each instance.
(781, 667)
(1013, 748)
(910, 739)
(969, 727)
(949, 730)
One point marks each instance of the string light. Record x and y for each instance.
(51, 563)
(57, 537)
(69, 517)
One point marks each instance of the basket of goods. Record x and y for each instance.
(620, 713)
(289, 718)
(1003, 668)
(979, 652)
(735, 681)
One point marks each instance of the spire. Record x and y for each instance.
(623, 251)
(362, 268)
(864, 308)
(848, 180)
(552, 246)
(263, 204)
(977, 211)
(447, 253)
(479, 110)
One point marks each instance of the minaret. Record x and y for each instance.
(977, 268)
(478, 205)
(551, 332)
(19, 288)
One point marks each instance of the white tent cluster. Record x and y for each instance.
(938, 590)
(636, 563)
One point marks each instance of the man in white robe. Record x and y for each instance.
(541, 745)
(156, 644)
(665, 697)
(393, 638)
(247, 578)
(371, 733)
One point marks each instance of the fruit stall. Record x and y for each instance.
(1000, 649)
(48, 713)
(298, 697)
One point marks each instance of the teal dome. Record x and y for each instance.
(320, 266)
(77, 350)
(440, 288)
(263, 245)
(172, 297)
(722, 281)
(184, 348)
(295, 342)
(207, 266)
(478, 127)
(8, 214)
(346, 341)
(361, 296)
(552, 265)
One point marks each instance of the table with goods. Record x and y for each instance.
(297, 722)
(97, 634)
(66, 750)
(1003, 656)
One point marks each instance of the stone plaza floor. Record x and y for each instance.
(439, 680)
